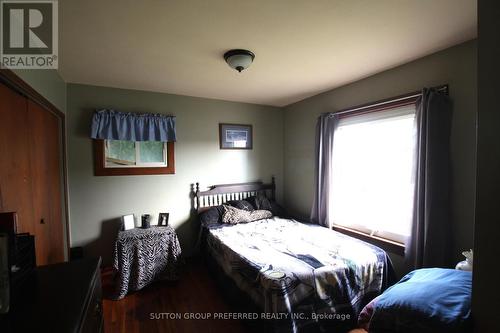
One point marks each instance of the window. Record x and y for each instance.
(372, 185)
(135, 154)
(117, 158)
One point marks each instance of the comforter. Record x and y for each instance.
(304, 273)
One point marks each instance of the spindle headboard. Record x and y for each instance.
(219, 194)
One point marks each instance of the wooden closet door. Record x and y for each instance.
(46, 183)
(15, 170)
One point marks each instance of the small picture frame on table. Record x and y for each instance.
(128, 222)
(235, 136)
(163, 219)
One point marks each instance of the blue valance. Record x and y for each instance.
(115, 125)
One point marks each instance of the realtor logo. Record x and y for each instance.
(28, 34)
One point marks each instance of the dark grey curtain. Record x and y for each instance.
(327, 123)
(429, 243)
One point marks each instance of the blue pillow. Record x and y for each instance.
(425, 300)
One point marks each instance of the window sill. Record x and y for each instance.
(385, 244)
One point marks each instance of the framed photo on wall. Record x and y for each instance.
(235, 136)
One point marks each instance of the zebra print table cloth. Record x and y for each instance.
(142, 256)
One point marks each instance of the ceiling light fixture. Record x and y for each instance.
(239, 59)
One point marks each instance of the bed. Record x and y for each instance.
(303, 277)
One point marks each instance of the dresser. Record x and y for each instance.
(64, 298)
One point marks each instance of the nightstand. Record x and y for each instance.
(142, 256)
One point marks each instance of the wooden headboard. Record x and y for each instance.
(219, 194)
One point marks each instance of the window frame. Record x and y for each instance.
(100, 168)
(378, 106)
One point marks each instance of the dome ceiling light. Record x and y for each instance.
(239, 59)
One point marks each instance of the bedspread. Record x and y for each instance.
(305, 272)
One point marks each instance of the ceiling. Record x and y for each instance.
(302, 47)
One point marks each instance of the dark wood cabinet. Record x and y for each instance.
(31, 173)
(93, 319)
(65, 297)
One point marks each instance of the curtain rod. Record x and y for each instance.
(442, 88)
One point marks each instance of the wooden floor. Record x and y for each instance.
(195, 292)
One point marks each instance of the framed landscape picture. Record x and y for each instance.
(235, 136)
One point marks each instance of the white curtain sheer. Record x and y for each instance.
(372, 184)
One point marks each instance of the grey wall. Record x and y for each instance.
(455, 66)
(96, 202)
(48, 83)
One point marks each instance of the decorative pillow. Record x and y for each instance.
(277, 210)
(260, 202)
(241, 204)
(424, 301)
(211, 216)
(233, 215)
